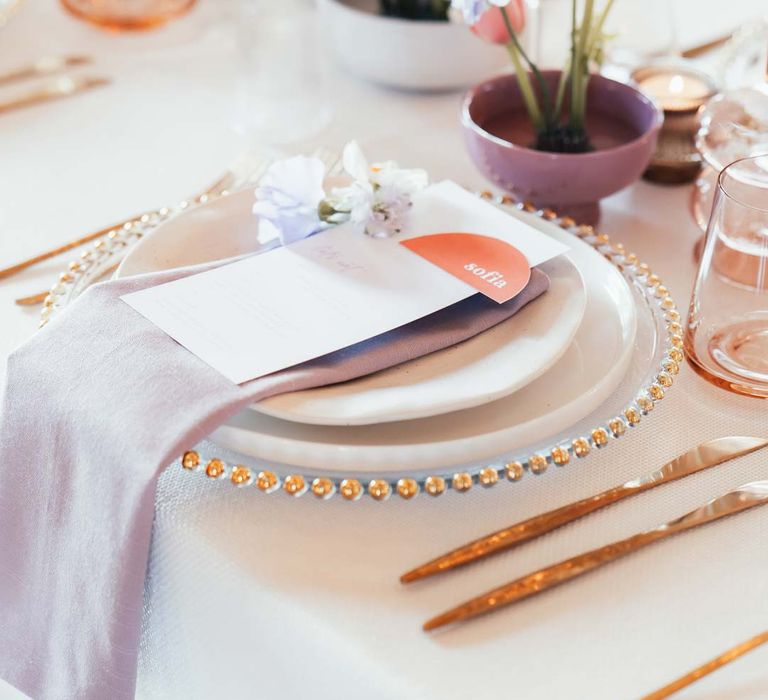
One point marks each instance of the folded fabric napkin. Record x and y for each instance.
(94, 406)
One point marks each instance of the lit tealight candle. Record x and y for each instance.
(675, 89)
(679, 91)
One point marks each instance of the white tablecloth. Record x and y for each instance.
(270, 597)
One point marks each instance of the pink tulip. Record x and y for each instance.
(491, 25)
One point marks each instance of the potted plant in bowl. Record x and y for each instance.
(409, 44)
(561, 139)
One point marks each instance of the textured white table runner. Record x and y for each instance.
(254, 596)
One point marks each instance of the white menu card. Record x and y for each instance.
(332, 290)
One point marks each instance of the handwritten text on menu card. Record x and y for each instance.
(292, 304)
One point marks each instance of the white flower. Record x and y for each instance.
(288, 197)
(379, 196)
(472, 10)
(292, 205)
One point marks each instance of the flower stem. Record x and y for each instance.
(561, 85)
(543, 87)
(580, 67)
(574, 79)
(526, 89)
(597, 30)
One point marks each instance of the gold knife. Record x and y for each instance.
(710, 667)
(706, 455)
(64, 86)
(48, 65)
(740, 499)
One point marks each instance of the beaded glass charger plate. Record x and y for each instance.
(485, 368)
(425, 455)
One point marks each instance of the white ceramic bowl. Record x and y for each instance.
(406, 54)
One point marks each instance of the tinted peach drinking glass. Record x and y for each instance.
(727, 331)
(127, 14)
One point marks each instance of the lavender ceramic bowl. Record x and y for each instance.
(622, 123)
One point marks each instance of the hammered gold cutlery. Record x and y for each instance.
(56, 89)
(220, 186)
(741, 499)
(48, 65)
(32, 299)
(246, 170)
(217, 187)
(709, 667)
(13, 269)
(706, 455)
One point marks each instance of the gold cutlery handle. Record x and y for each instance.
(718, 662)
(44, 66)
(29, 262)
(13, 269)
(702, 49)
(704, 456)
(544, 579)
(32, 299)
(65, 87)
(522, 532)
(745, 497)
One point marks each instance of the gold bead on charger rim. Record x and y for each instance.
(671, 366)
(560, 456)
(323, 487)
(350, 489)
(599, 437)
(240, 476)
(190, 460)
(537, 464)
(462, 481)
(581, 447)
(267, 481)
(656, 392)
(632, 415)
(645, 404)
(434, 485)
(215, 468)
(617, 426)
(407, 488)
(295, 485)
(379, 489)
(488, 476)
(514, 471)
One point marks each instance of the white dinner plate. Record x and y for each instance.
(491, 365)
(584, 378)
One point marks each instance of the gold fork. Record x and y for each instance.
(48, 65)
(244, 171)
(247, 170)
(219, 186)
(59, 88)
(710, 667)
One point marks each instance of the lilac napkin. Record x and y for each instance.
(94, 407)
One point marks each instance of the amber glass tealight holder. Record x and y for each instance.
(727, 331)
(129, 15)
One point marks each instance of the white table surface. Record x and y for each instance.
(252, 596)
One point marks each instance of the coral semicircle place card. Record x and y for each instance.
(493, 267)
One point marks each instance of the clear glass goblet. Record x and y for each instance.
(733, 125)
(726, 337)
